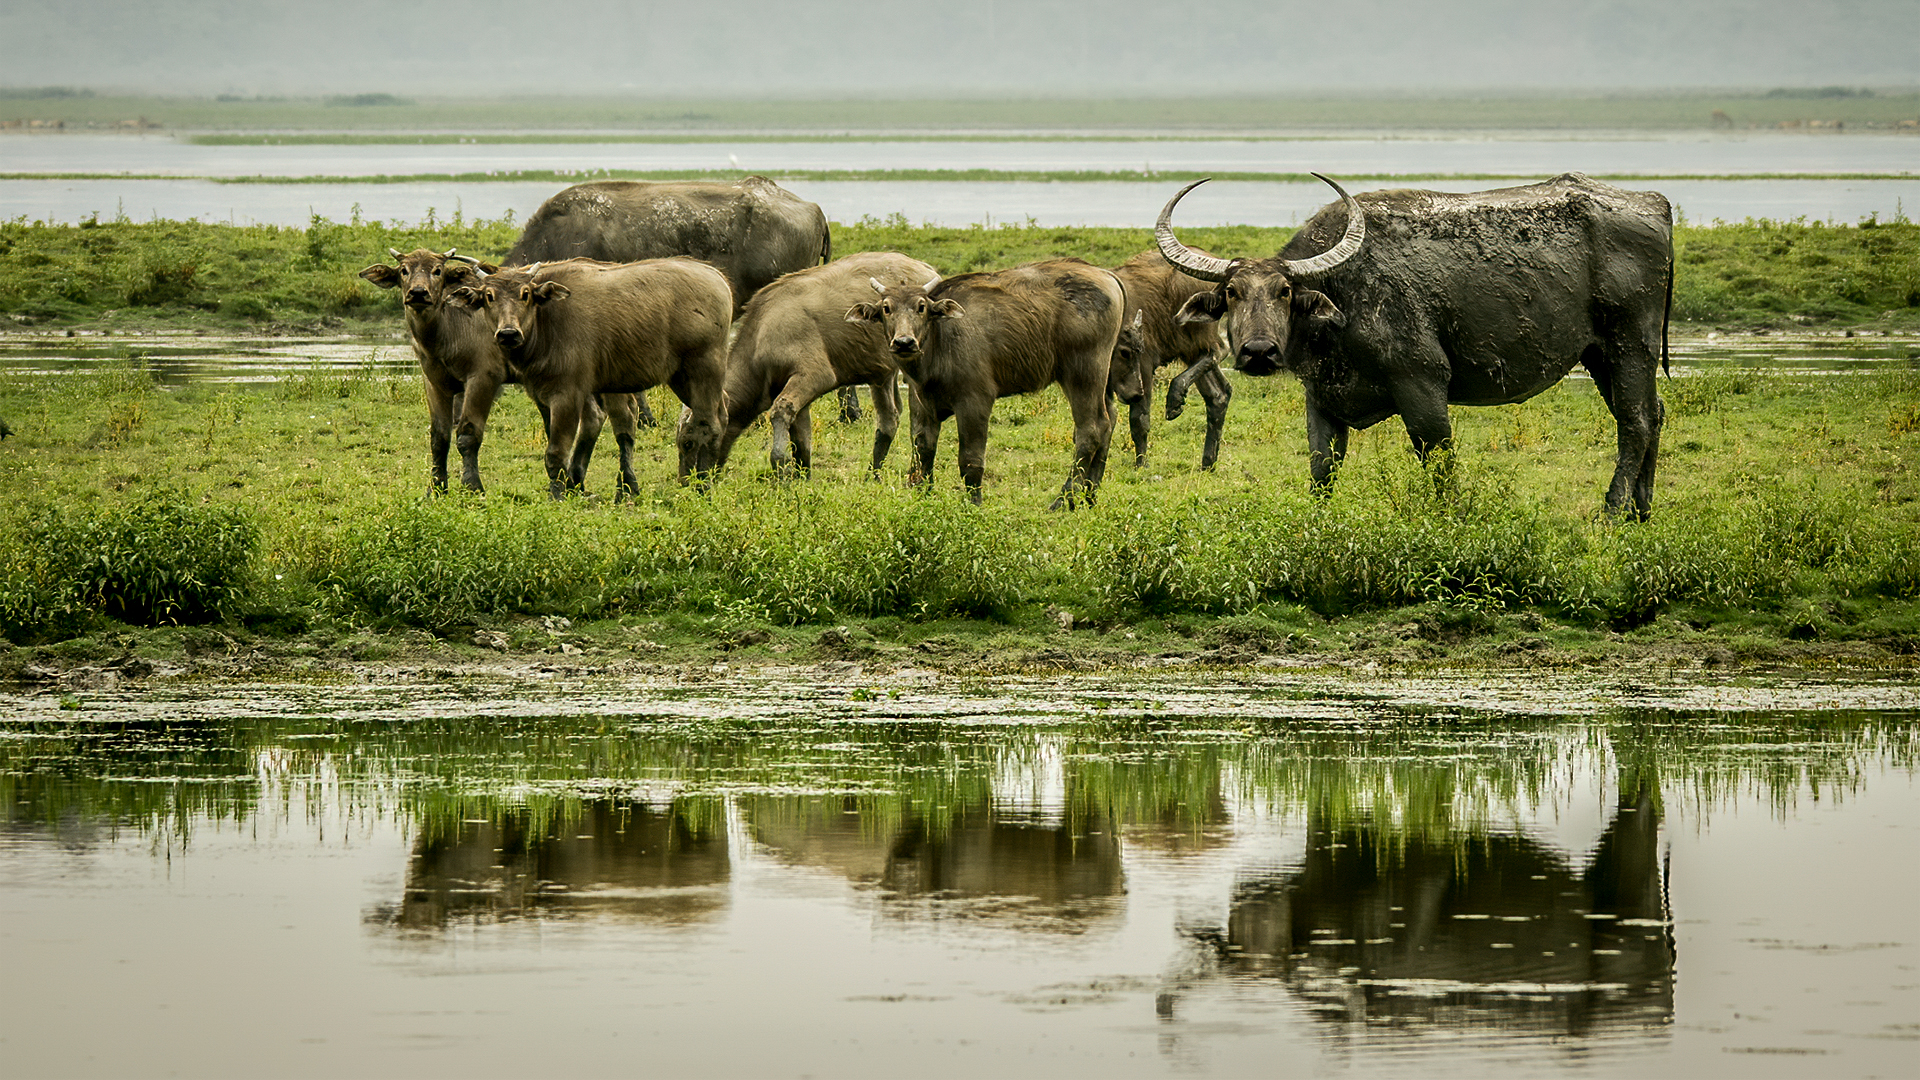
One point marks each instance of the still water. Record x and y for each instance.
(1113, 203)
(1064, 204)
(177, 359)
(828, 872)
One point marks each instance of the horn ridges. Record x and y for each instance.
(1184, 258)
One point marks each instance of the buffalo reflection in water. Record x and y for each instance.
(1387, 927)
(624, 859)
(1020, 869)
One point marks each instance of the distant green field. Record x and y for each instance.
(453, 118)
(195, 275)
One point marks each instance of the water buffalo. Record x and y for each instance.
(753, 229)
(1156, 291)
(1407, 301)
(796, 344)
(460, 363)
(966, 341)
(576, 328)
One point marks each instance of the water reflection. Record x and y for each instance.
(1268, 877)
(1396, 928)
(978, 862)
(608, 858)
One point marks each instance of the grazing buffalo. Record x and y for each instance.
(1407, 301)
(753, 229)
(460, 362)
(573, 329)
(795, 344)
(1155, 292)
(966, 341)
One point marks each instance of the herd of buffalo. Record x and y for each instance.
(1391, 302)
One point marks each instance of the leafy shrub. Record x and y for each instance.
(449, 561)
(162, 559)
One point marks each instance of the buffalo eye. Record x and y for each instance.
(1233, 292)
(920, 306)
(1286, 291)
(525, 293)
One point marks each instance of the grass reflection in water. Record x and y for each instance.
(1422, 868)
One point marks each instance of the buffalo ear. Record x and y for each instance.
(550, 290)
(947, 309)
(466, 297)
(1319, 310)
(1201, 307)
(863, 313)
(387, 277)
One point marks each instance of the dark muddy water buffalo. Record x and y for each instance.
(577, 328)
(795, 344)
(460, 362)
(966, 341)
(1407, 301)
(753, 229)
(1156, 291)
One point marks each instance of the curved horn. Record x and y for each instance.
(468, 259)
(877, 287)
(1340, 252)
(931, 282)
(395, 252)
(1187, 260)
(449, 253)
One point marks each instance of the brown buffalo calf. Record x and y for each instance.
(573, 329)
(1155, 292)
(969, 340)
(460, 362)
(795, 344)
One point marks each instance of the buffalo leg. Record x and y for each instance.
(592, 418)
(849, 404)
(441, 406)
(642, 413)
(886, 420)
(1326, 448)
(564, 417)
(925, 426)
(1183, 382)
(1140, 413)
(971, 422)
(1424, 411)
(1637, 415)
(800, 391)
(703, 424)
(1217, 392)
(1092, 434)
(470, 427)
(622, 411)
(803, 440)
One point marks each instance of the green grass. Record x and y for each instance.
(195, 275)
(1787, 516)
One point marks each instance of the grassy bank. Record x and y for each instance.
(286, 523)
(374, 114)
(192, 275)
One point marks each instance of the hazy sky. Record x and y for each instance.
(950, 47)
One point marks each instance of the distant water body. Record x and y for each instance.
(1112, 203)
